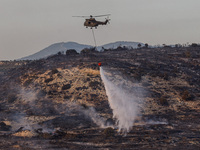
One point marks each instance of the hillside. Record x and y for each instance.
(61, 102)
(54, 49)
(63, 47)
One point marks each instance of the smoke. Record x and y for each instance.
(28, 95)
(39, 106)
(95, 117)
(125, 98)
(33, 111)
(88, 112)
(20, 120)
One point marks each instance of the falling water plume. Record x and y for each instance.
(124, 99)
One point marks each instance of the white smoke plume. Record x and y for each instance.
(28, 95)
(89, 112)
(30, 106)
(124, 99)
(95, 117)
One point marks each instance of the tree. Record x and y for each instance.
(139, 45)
(146, 45)
(194, 45)
(59, 53)
(71, 52)
(88, 50)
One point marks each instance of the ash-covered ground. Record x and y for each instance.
(60, 102)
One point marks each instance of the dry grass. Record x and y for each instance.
(25, 133)
(90, 71)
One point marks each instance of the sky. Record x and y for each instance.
(28, 26)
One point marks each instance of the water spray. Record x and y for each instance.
(123, 101)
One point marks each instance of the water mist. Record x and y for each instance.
(123, 99)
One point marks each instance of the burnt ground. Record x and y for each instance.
(51, 103)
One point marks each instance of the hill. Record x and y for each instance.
(61, 101)
(122, 44)
(63, 47)
(54, 49)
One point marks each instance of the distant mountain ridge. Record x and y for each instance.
(121, 43)
(63, 47)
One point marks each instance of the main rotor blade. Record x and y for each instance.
(81, 16)
(102, 15)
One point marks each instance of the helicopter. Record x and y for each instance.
(92, 22)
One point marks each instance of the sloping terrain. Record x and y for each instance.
(63, 47)
(61, 102)
(54, 49)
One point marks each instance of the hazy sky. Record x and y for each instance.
(28, 26)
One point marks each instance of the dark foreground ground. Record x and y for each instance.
(36, 97)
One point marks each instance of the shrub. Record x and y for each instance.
(194, 45)
(186, 96)
(71, 52)
(28, 82)
(4, 127)
(108, 132)
(164, 75)
(12, 98)
(48, 80)
(94, 84)
(88, 50)
(187, 54)
(65, 87)
(163, 101)
(137, 76)
(59, 53)
(54, 71)
(84, 106)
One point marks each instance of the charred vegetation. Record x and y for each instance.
(55, 98)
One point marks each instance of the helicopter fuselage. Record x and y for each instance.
(93, 23)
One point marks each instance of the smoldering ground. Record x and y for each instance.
(32, 111)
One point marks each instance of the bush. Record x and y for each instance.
(88, 50)
(71, 52)
(108, 132)
(194, 45)
(137, 76)
(187, 54)
(48, 80)
(186, 96)
(54, 71)
(65, 87)
(163, 101)
(28, 82)
(94, 84)
(84, 106)
(164, 75)
(139, 45)
(12, 98)
(59, 53)
(4, 127)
